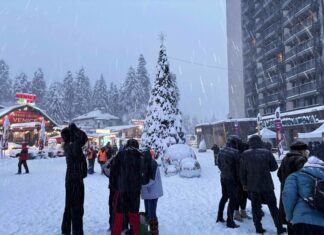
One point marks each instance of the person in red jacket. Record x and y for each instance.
(23, 157)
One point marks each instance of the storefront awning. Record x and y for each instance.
(25, 125)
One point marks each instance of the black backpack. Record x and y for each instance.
(316, 201)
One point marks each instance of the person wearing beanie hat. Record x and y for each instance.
(292, 162)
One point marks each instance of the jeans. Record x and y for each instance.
(150, 208)
(24, 163)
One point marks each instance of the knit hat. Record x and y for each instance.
(298, 146)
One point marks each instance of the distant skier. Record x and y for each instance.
(23, 157)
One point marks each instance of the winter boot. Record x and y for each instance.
(231, 224)
(220, 219)
(237, 216)
(134, 220)
(244, 215)
(281, 230)
(260, 230)
(154, 227)
(118, 224)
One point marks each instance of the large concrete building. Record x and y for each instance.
(234, 59)
(282, 55)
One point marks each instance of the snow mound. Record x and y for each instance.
(189, 168)
(175, 153)
(202, 146)
(170, 170)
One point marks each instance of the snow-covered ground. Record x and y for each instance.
(34, 203)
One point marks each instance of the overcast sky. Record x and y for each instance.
(106, 36)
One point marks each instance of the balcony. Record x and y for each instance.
(297, 10)
(270, 82)
(309, 44)
(301, 68)
(271, 30)
(300, 29)
(271, 47)
(269, 99)
(270, 63)
(286, 3)
(303, 89)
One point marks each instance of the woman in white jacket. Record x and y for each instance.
(150, 193)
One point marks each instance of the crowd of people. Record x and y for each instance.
(133, 173)
(246, 174)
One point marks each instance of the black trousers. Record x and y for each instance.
(229, 191)
(270, 200)
(307, 229)
(73, 212)
(111, 205)
(127, 202)
(24, 163)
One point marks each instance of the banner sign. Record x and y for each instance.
(24, 98)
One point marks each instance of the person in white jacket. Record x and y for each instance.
(150, 193)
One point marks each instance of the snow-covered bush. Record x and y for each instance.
(202, 146)
(189, 168)
(175, 153)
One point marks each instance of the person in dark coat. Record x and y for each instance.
(23, 157)
(215, 149)
(255, 171)
(76, 170)
(228, 163)
(292, 162)
(126, 177)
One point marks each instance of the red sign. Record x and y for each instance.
(23, 117)
(26, 96)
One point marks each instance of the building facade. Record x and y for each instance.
(234, 59)
(282, 55)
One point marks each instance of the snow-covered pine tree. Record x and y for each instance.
(5, 83)
(143, 93)
(100, 95)
(21, 84)
(129, 99)
(113, 105)
(162, 125)
(55, 102)
(68, 94)
(82, 93)
(38, 87)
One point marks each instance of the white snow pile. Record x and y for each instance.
(202, 146)
(181, 158)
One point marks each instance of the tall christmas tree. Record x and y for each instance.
(82, 93)
(100, 95)
(163, 124)
(55, 102)
(38, 87)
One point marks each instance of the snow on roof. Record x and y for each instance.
(318, 133)
(296, 112)
(119, 128)
(96, 114)
(11, 108)
(228, 120)
(25, 124)
(265, 134)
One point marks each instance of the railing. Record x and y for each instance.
(298, 90)
(269, 98)
(297, 9)
(270, 30)
(269, 81)
(299, 68)
(299, 28)
(270, 63)
(299, 48)
(270, 47)
(285, 3)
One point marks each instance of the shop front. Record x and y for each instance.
(25, 123)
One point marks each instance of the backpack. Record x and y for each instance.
(316, 201)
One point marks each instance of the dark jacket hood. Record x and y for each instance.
(255, 142)
(234, 142)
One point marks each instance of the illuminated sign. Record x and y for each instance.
(138, 122)
(24, 98)
(102, 131)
